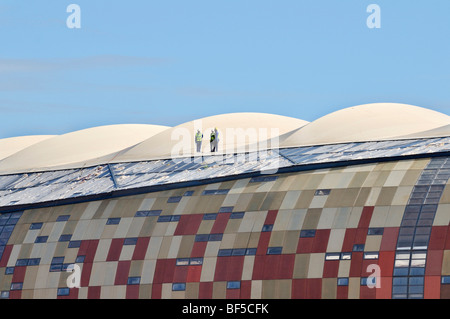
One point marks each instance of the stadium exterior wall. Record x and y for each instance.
(309, 234)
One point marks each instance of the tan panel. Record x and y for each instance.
(353, 287)
(386, 195)
(187, 242)
(102, 250)
(148, 271)
(208, 268)
(316, 262)
(273, 200)
(327, 218)
(363, 195)
(373, 243)
(445, 197)
(219, 290)
(355, 216)
(312, 218)
(342, 217)
(344, 268)
(342, 197)
(247, 269)
(336, 240)
(145, 291)
(192, 289)
(290, 241)
(256, 292)
(256, 201)
(290, 199)
(243, 202)
(395, 216)
(379, 216)
(276, 239)
(227, 241)
(442, 217)
(329, 288)
(301, 266)
(149, 224)
(402, 195)
(446, 263)
(411, 177)
(358, 179)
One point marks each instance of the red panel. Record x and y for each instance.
(258, 267)
(361, 235)
(115, 249)
(356, 263)
(88, 248)
(385, 290)
(86, 274)
(432, 287)
(320, 242)
(246, 289)
(221, 268)
(349, 239)
(198, 249)
(367, 293)
(123, 269)
(330, 268)
(389, 239)
(170, 269)
(220, 223)
(263, 243)
(286, 267)
(5, 256)
(314, 288)
(235, 267)
(271, 267)
(366, 216)
(386, 262)
(180, 273)
(188, 224)
(342, 292)
(194, 273)
(233, 293)
(94, 292)
(271, 216)
(19, 273)
(73, 294)
(141, 248)
(132, 292)
(305, 245)
(299, 288)
(156, 291)
(434, 263)
(160, 267)
(205, 290)
(15, 294)
(447, 240)
(365, 271)
(438, 237)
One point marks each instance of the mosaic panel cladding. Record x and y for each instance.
(315, 234)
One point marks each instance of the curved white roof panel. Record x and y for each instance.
(369, 122)
(236, 132)
(75, 148)
(11, 145)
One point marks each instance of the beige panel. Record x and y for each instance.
(186, 245)
(402, 195)
(344, 268)
(442, 217)
(336, 240)
(276, 239)
(318, 201)
(243, 202)
(290, 241)
(355, 216)
(305, 199)
(247, 269)
(102, 250)
(395, 216)
(342, 217)
(327, 218)
(14, 255)
(212, 248)
(256, 290)
(301, 266)
(208, 268)
(127, 252)
(386, 195)
(153, 247)
(395, 178)
(95, 229)
(353, 287)
(80, 229)
(329, 288)
(165, 246)
(239, 186)
(373, 243)
(174, 247)
(148, 271)
(273, 200)
(122, 228)
(297, 219)
(30, 277)
(316, 262)
(31, 235)
(219, 290)
(312, 218)
(192, 289)
(379, 216)
(411, 177)
(358, 179)
(445, 197)
(227, 241)
(290, 199)
(282, 220)
(446, 263)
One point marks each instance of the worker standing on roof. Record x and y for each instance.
(212, 139)
(198, 140)
(216, 139)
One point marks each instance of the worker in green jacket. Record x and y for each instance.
(198, 140)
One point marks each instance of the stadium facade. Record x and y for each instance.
(355, 204)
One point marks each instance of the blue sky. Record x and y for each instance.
(168, 62)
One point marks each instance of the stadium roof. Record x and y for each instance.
(119, 159)
(137, 142)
